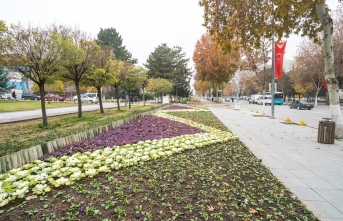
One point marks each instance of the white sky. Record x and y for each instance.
(143, 24)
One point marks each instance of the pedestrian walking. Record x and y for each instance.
(14, 96)
(126, 99)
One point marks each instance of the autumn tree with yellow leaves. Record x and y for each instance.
(247, 22)
(211, 64)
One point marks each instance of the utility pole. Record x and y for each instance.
(272, 87)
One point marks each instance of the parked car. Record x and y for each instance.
(85, 99)
(227, 99)
(300, 104)
(92, 94)
(30, 96)
(6, 96)
(254, 98)
(267, 100)
(54, 97)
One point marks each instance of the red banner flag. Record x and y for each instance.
(278, 58)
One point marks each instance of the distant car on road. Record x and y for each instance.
(85, 99)
(6, 96)
(54, 97)
(300, 104)
(227, 99)
(267, 100)
(30, 96)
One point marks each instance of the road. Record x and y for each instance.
(34, 114)
(311, 117)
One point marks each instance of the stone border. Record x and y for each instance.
(22, 157)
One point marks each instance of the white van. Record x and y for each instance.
(254, 98)
(91, 95)
(267, 100)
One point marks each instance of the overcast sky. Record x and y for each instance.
(143, 24)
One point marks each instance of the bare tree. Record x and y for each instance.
(36, 53)
(309, 67)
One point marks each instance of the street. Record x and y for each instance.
(34, 114)
(311, 117)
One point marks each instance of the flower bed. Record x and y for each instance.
(179, 107)
(203, 176)
(146, 128)
(64, 170)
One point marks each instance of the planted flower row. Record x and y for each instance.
(38, 176)
(146, 128)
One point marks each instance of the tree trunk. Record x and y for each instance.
(143, 97)
(117, 96)
(100, 100)
(129, 99)
(42, 102)
(330, 78)
(316, 98)
(177, 92)
(79, 104)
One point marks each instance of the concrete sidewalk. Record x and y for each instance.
(312, 171)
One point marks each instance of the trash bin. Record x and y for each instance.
(326, 131)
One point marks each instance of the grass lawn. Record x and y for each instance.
(8, 106)
(24, 134)
(209, 179)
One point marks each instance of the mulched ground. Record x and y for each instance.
(218, 182)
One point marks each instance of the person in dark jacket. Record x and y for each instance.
(14, 96)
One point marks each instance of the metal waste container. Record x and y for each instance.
(326, 131)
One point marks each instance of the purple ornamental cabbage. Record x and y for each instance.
(146, 128)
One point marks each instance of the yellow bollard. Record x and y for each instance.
(64, 101)
(52, 100)
(226, 107)
(257, 111)
(302, 123)
(288, 120)
(29, 99)
(251, 110)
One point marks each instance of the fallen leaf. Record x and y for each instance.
(143, 212)
(244, 219)
(210, 208)
(31, 197)
(171, 211)
(252, 211)
(226, 184)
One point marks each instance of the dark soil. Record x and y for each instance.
(219, 182)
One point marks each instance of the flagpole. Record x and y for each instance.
(272, 88)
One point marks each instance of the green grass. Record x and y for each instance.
(8, 106)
